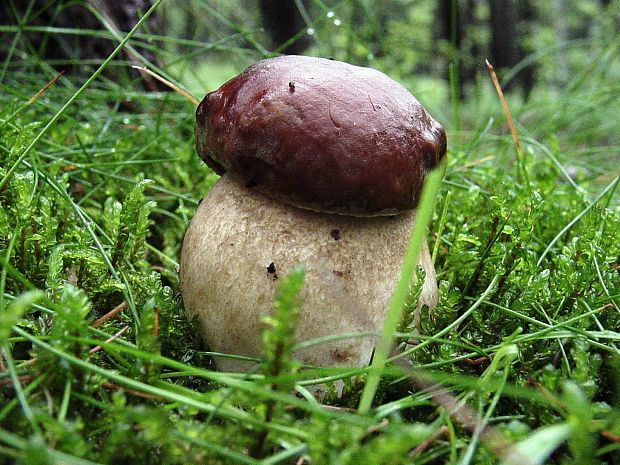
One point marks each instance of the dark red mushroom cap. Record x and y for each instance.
(321, 134)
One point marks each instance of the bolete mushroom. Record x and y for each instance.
(322, 164)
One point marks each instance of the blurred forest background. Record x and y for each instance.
(534, 46)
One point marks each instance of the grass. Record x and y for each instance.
(99, 180)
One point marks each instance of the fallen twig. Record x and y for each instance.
(476, 361)
(22, 379)
(441, 431)
(470, 420)
(110, 339)
(110, 314)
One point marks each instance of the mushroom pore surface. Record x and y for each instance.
(240, 242)
(321, 134)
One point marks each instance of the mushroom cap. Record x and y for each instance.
(321, 134)
(239, 243)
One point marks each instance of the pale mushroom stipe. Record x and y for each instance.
(322, 164)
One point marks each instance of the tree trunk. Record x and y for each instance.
(454, 16)
(283, 20)
(527, 15)
(504, 38)
(510, 22)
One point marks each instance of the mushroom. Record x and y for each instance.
(322, 164)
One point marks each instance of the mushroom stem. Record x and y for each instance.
(240, 242)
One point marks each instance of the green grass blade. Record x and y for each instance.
(559, 235)
(423, 217)
(540, 444)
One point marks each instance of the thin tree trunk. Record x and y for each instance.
(283, 20)
(504, 39)
(454, 17)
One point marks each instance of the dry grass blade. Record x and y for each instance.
(166, 82)
(502, 100)
(613, 437)
(513, 131)
(475, 162)
(155, 323)
(44, 88)
(441, 431)
(133, 392)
